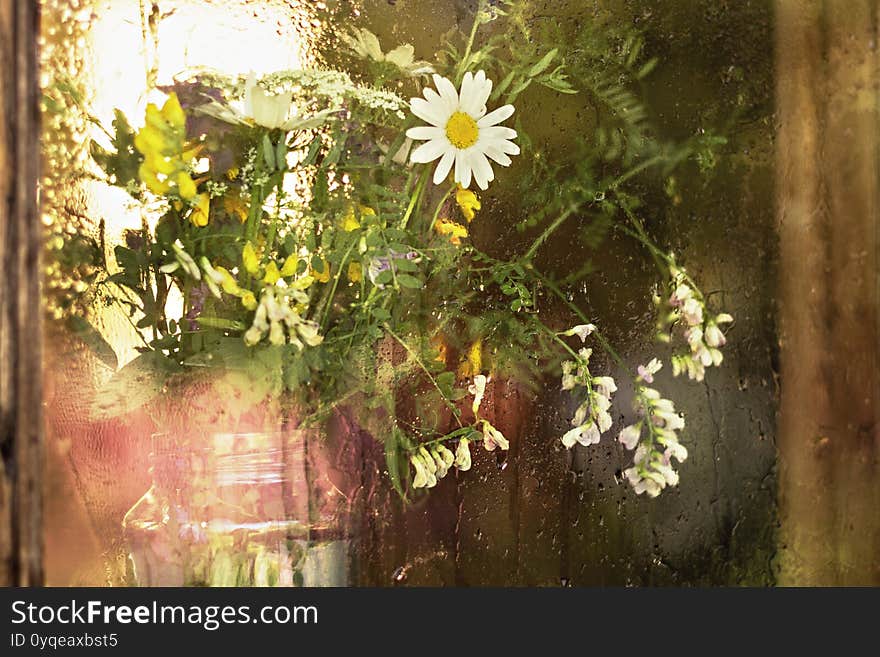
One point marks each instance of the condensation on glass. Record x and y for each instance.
(539, 517)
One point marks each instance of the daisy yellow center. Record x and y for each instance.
(462, 130)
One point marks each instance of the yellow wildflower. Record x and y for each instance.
(162, 141)
(454, 230)
(468, 202)
(185, 186)
(355, 272)
(475, 356)
(202, 211)
(249, 259)
(232, 173)
(350, 222)
(272, 274)
(228, 282)
(172, 112)
(302, 283)
(154, 118)
(149, 177)
(439, 343)
(236, 207)
(324, 275)
(149, 140)
(188, 155)
(158, 163)
(249, 301)
(289, 266)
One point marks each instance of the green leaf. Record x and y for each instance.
(646, 69)
(403, 264)
(504, 84)
(281, 155)
(542, 65)
(522, 86)
(394, 459)
(133, 386)
(268, 153)
(220, 323)
(381, 314)
(94, 340)
(312, 153)
(409, 281)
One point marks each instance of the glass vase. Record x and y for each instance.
(239, 509)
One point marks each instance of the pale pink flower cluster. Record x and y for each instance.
(702, 333)
(654, 437)
(591, 419)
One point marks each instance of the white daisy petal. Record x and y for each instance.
(497, 132)
(446, 89)
(462, 169)
(436, 99)
(429, 151)
(482, 170)
(475, 102)
(424, 132)
(507, 147)
(466, 89)
(430, 112)
(443, 168)
(496, 116)
(493, 152)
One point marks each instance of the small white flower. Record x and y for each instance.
(366, 44)
(430, 466)
(569, 380)
(692, 312)
(714, 336)
(463, 455)
(443, 459)
(493, 438)
(646, 372)
(261, 108)
(682, 293)
(581, 330)
(586, 434)
(478, 390)
(421, 478)
(604, 385)
(265, 110)
(675, 450)
(461, 133)
(580, 415)
(629, 436)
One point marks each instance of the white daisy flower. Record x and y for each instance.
(461, 132)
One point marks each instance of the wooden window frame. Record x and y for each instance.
(21, 424)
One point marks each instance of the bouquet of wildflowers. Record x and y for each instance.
(316, 223)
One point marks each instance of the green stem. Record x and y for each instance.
(647, 164)
(421, 365)
(273, 225)
(556, 337)
(440, 207)
(663, 260)
(420, 186)
(459, 72)
(606, 346)
(561, 219)
(329, 300)
(449, 436)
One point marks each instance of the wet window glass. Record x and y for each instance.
(459, 293)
